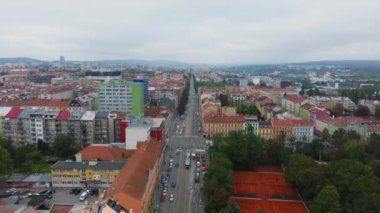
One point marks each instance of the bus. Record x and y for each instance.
(187, 162)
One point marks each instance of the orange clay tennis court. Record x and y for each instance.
(266, 189)
(268, 206)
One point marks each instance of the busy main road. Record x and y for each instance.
(179, 188)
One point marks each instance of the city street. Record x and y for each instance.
(183, 135)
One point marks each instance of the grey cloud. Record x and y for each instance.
(192, 31)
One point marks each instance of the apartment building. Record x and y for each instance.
(293, 104)
(297, 130)
(372, 105)
(330, 102)
(265, 130)
(27, 126)
(222, 125)
(85, 174)
(122, 96)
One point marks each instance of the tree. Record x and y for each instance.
(377, 112)
(44, 147)
(5, 161)
(223, 100)
(362, 111)
(354, 150)
(338, 110)
(373, 145)
(367, 202)
(327, 200)
(310, 181)
(64, 147)
(297, 163)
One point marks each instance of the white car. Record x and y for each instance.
(171, 197)
(11, 190)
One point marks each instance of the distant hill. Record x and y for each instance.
(143, 62)
(17, 60)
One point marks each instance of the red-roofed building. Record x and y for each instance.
(103, 153)
(14, 113)
(134, 186)
(297, 130)
(222, 124)
(293, 104)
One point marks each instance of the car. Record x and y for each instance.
(176, 165)
(83, 196)
(198, 169)
(171, 197)
(94, 192)
(165, 190)
(203, 168)
(197, 177)
(174, 183)
(11, 190)
(43, 192)
(163, 198)
(171, 160)
(76, 191)
(198, 164)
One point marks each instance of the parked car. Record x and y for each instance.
(94, 192)
(171, 197)
(84, 195)
(174, 183)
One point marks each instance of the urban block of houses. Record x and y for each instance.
(293, 104)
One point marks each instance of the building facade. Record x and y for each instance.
(122, 96)
(85, 174)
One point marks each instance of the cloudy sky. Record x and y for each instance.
(203, 31)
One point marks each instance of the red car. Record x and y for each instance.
(163, 198)
(203, 168)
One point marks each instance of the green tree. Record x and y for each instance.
(64, 147)
(367, 202)
(310, 181)
(223, 100)
(44, 147)
(373, 145)
(354, 150)
(377, 112)
(362, 111)
(5, 161)
(297, 163)
(327, 201)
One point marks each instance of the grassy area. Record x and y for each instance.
(41, 168)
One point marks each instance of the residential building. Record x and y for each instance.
(133, 188)
(265, 130)
(3, 112)
(252, 124)
(330, 102)
(127, 97)
(85, 174)
(293, 104)
(222, 125)
(303, 131)
(372, 105)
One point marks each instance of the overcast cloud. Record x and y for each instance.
(204, 31)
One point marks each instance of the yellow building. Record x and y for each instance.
(222, 125)
(90, 173)
(265, 130)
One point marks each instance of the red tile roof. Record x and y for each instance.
(132, 180)
(105, 153)
(343, 120)
(373, 129)
(282, 123)
(14, 112)
(292, 122)
(60, 103)
(63, 116)
(295, 99)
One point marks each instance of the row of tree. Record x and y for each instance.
(35, 157)
(346, 180)
(238, 151)
(184, 98)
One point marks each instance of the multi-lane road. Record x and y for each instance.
(186, 192)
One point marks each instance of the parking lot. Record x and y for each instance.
(61, 195)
